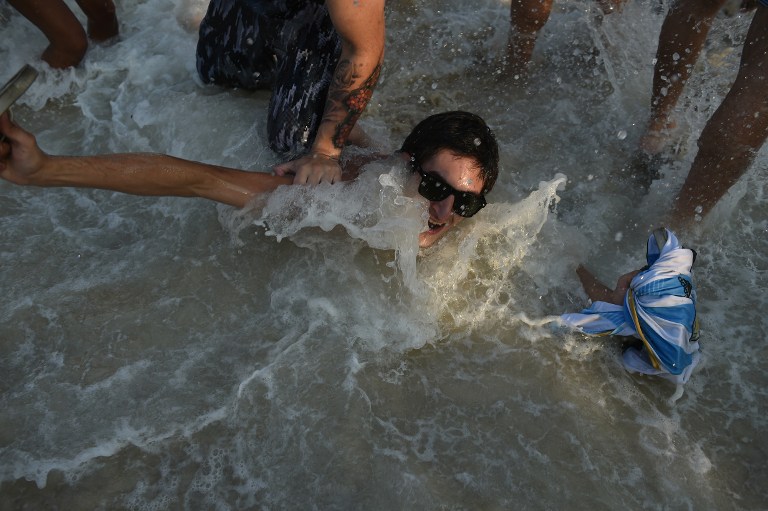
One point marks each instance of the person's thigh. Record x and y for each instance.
(235, 45)
(306, 59)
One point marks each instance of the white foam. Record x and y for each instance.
(276, 363)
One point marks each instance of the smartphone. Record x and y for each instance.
(16, 86)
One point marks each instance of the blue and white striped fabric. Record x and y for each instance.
(659, 309)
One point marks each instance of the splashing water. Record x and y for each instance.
(172, 353)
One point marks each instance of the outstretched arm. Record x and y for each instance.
(360, 24)
(599, 292)
(23, 163)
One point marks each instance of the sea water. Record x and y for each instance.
(170, 353)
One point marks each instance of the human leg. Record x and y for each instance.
(234, 48)
(682, 37)
(734, 134)
(102, 19)
(308, 52)
(526, 17)
(291, 48)
(67, 40)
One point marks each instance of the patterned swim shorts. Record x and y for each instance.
(288, 46)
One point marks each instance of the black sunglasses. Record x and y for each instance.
(433, 188)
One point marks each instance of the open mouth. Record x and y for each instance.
(434, 227)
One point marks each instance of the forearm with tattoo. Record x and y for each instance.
(345, 103)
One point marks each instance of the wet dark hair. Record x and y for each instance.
(462, 133)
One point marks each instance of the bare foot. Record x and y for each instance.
(656, 136)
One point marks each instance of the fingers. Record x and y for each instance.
(13, 137)
(5, 123)
(5, 143)
(311, 170)
(10, 130)
(5, 152)
(21, 160)
(283, 169)
(315, 175)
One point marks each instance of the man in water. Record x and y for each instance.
(321, 59)
(454, 158)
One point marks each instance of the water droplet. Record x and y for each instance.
(434, 86)
(619, 235)
(477, 142)
(621, 135)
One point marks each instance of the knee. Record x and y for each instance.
(77, 45)
(66, 51)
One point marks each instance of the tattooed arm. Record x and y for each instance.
(360, 24)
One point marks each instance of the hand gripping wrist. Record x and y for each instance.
(317, 154)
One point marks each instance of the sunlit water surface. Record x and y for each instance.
(173, 353)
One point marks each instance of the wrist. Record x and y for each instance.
(40, 173)
(323, 155)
